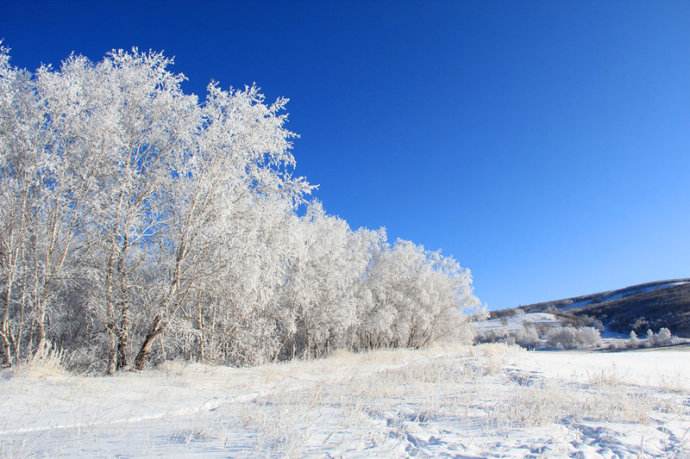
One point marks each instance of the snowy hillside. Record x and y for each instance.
(653, 305)
(482, 401)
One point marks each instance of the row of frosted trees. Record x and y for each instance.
(138, 222)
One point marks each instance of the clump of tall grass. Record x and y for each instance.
(47, 361)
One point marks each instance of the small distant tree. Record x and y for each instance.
(573, 338)
(662, 338)
(527, 337)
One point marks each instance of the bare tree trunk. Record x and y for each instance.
(5, 332)
(154, 331)
(49, 269)
(40, 309)
(13, 251)
(20, 329)
(157, 325)
(200, 324)
(41, 326)
(6, 350)
(111, 365)
(111, 323)
(124, 309)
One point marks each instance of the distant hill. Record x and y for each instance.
(639, 307)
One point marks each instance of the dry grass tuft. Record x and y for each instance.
(47, 362)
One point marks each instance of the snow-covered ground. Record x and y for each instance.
(482, 401)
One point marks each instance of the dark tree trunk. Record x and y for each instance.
(145, 352)
(111, 364)
(6, 350)
(123, 337)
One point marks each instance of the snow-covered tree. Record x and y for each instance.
(137, 220)
(414, 297)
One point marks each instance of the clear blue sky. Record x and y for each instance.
(546, 145)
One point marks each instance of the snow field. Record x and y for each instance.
(457, 401)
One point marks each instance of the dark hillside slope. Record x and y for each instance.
(640, 307)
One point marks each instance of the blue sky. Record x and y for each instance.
(545, 145)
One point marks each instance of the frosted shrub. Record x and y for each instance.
(589, 336)
(527, 337)
(531, 337)
(573, 338)
(662, 338)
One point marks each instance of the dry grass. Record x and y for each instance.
(552, 403)
(47, 362)
(429, 386)
(374, 400)
(605, 378)
(283, 422)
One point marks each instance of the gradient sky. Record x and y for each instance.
(545, 145)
